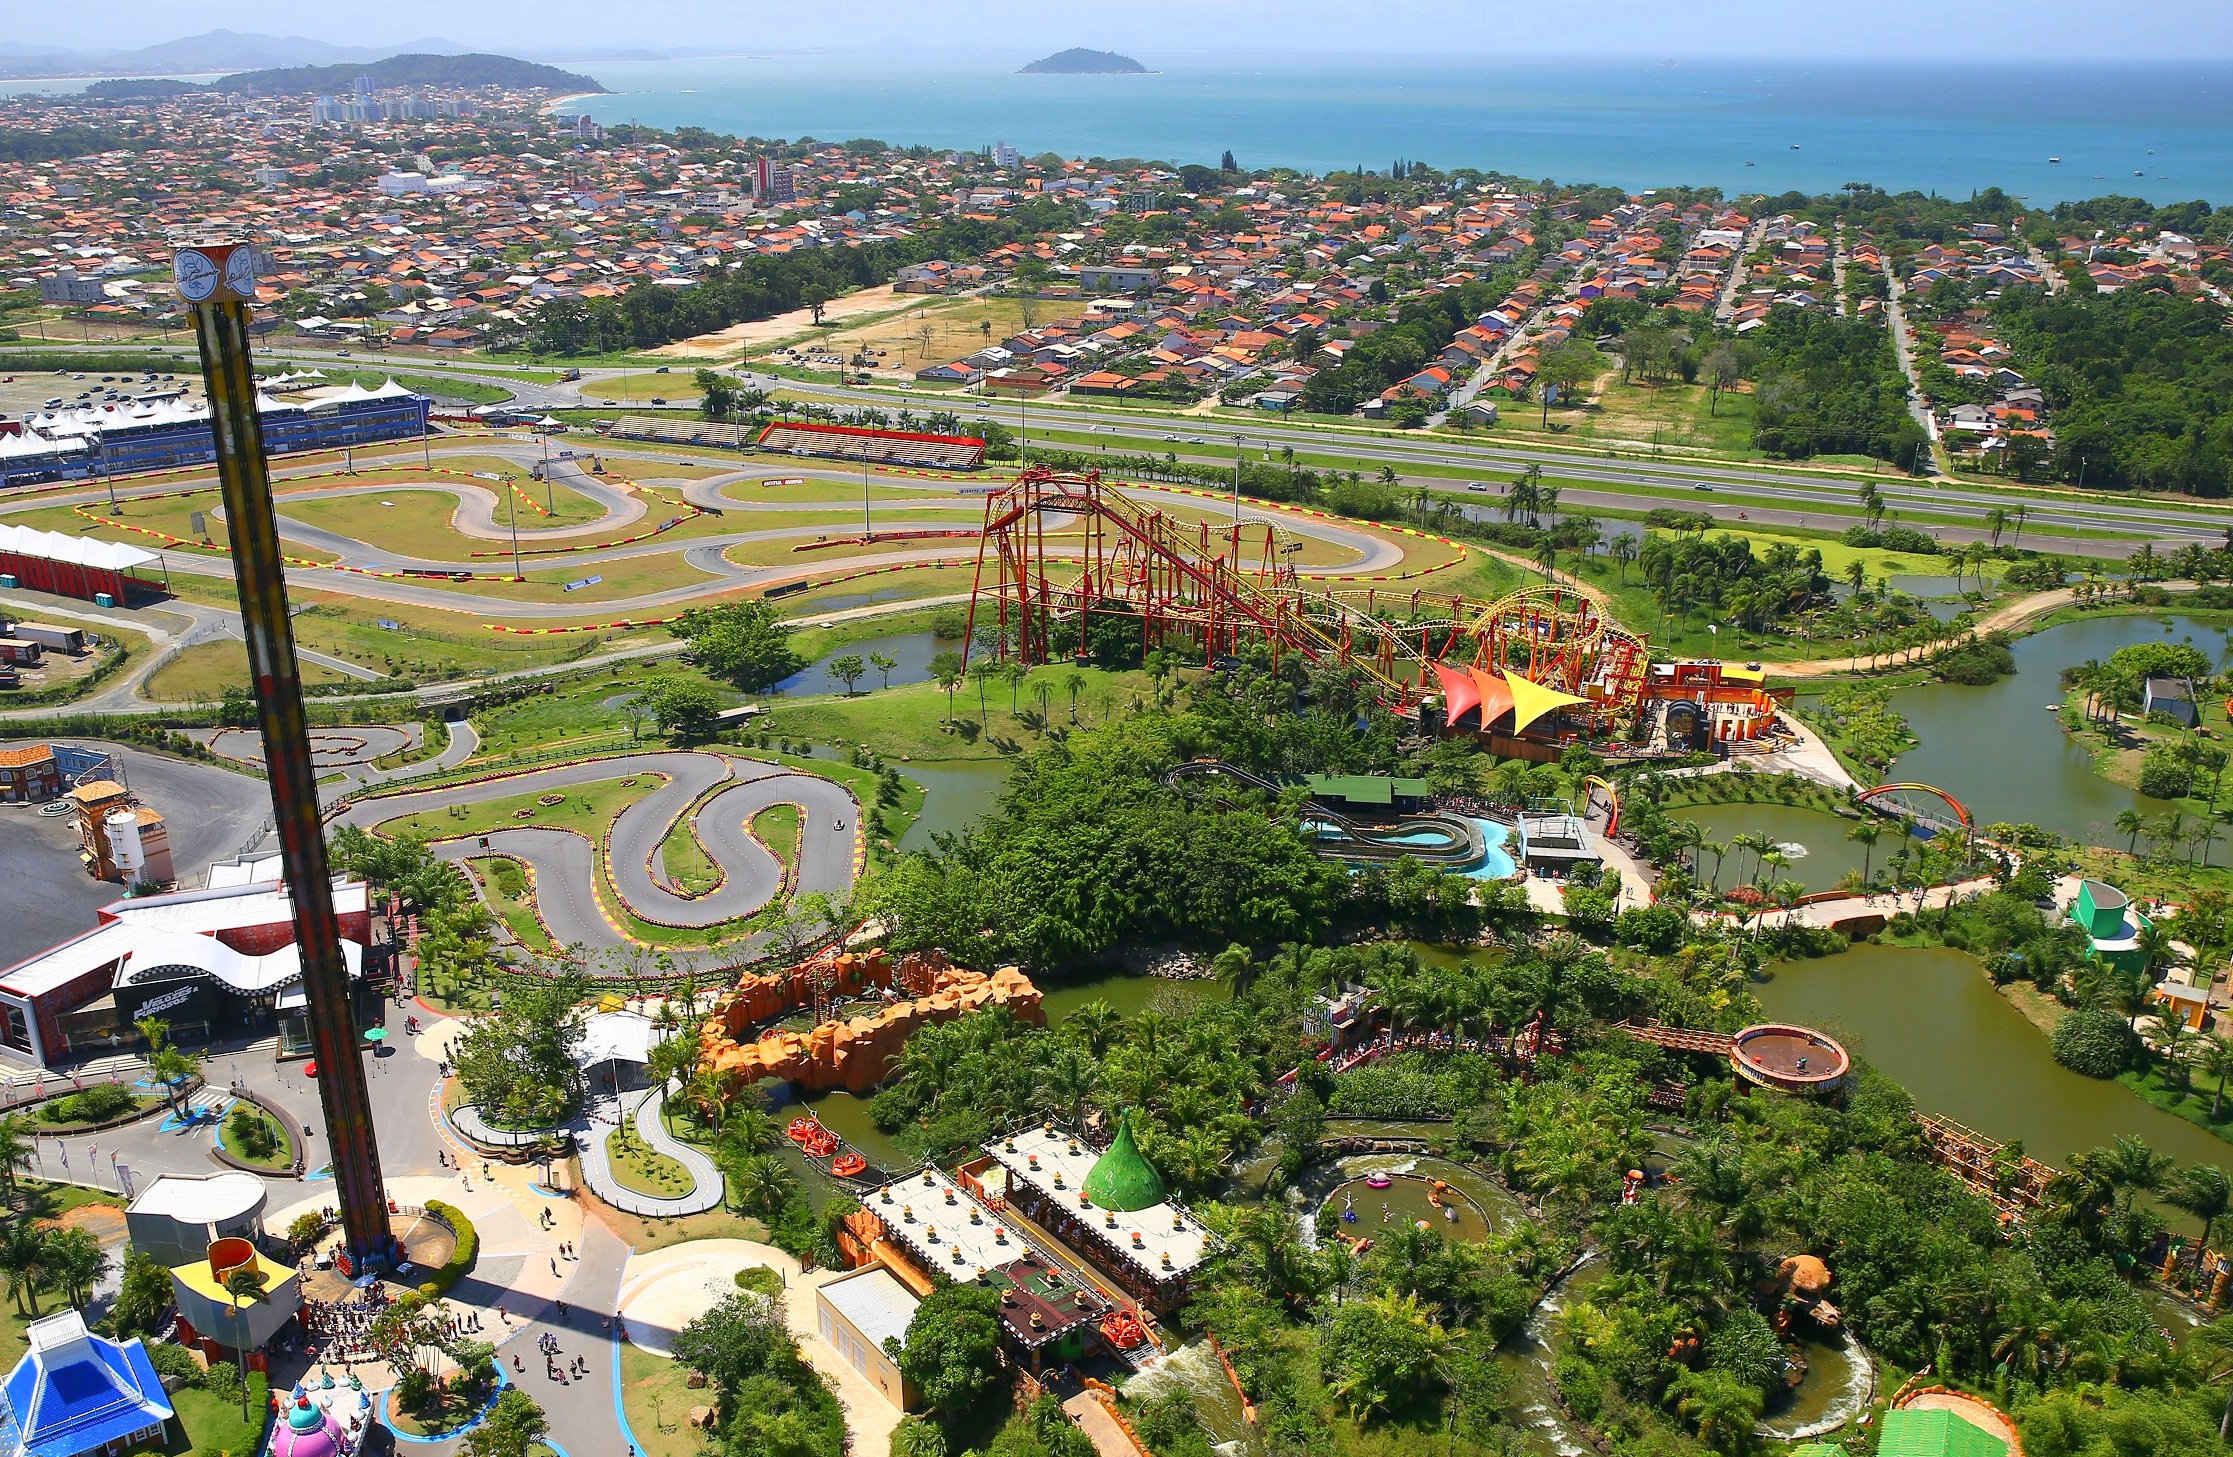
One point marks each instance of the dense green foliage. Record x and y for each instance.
(2139, 382)
(769, 1403)
(517, 1064)
(50, 144)
(1830, 385)
(408, 70)
(746, 644)
(2092, 1042)
(1423, 328)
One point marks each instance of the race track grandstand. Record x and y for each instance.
(882, 447)
(680, 430)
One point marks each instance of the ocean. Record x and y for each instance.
(1809, 127)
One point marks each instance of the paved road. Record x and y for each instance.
(1764, 486)
(564, 865)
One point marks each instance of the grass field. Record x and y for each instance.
(957, 326)
(503, 883)
(1677, 418)
(910, 721)
(676, 387)
(685, 861)
(282, 1150)
(656, 1394)
(639, 1167)
(202, 673)
(777, 827)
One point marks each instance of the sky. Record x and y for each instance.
(1938, 31)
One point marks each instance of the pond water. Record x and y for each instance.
(912, 651)
(1368, 1213)
(1820, 853)
(1930, 1019)
(1998, 749)
(955, 793)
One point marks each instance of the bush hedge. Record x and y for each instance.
(468, 1244)
(2092, 1042)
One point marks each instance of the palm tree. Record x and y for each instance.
(1093, 1024)
(1866, 834)
(1073, 683)
(2210, 1347)
(762, 1183)
(2215, 1060)
(1624, 550)
(76, 1262)
(2170, 1039)
(1720, 1408)
(2131, 1165)
(2129, 824)
(24, 1254)
(244, 1284)
(17, 1138)
(2203, 1191)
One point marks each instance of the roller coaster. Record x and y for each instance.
(1508, 665)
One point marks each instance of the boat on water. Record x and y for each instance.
(2053, 160)
(1752, 164)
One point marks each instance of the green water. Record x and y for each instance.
(955, 793)
(1930, 1019)
(1820, 853)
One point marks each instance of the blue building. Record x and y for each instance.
(160, 434)
(75, 1392)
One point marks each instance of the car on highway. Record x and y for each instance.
(659, 399)
(1477, 486)
(1173, 439)
(1702, 486)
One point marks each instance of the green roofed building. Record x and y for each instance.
(1817, 1449)
(1121, 1179)
(1919, 1432)
(1364, 792)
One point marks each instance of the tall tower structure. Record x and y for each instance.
(218, 281)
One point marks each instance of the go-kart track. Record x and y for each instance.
(721, 530)
(570, 893)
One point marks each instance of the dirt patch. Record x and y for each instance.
(105, 1221)
(781, 326)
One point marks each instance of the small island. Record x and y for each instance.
(1078, 61)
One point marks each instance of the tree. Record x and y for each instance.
(76, 1262)
(143, 1296)
(1720, 1408)
(17, 1137)
(2133, 1167)
(1865, 834)
(1722, 374)
(946, 671)
(514, 1426)
(1382, 1354)
(2129, 824)
(951, 1353)
(742, 643)
(24, 1251)
(2215, 1061)
(883, 663)
(1563, 369)
(1073, 683)
(849, 669)
(244, 1286)
(684, 708)
(2204, 1191)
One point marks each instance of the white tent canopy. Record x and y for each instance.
(84, 551)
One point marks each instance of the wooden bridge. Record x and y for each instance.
(1681, 1039)
(2016, 1185)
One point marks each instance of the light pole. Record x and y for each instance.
(868, 531)
(1239, 444)
(511, 512)
(108, 477)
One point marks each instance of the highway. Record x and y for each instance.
(1765, 494)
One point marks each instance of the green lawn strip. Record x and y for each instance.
(504, 886)
(656, 1395)
(2192, 1104)
(682, 856)
(208, 1423)
(642, 1169)
(777, 827)
(202, 673)
(910, 721)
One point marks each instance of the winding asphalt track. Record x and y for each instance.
(475, 518)
(563, 861)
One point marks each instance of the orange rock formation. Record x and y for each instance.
(856, 1053)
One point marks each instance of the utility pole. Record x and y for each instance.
(217, 280)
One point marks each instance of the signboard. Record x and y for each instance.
(197, 525)
(176, 997)
(390, 624)
(581, 582)
(486, 475)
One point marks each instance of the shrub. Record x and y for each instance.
(250, 1133)
(174, 1363)
(96, 1104)
(760, 1280)
(2093, 1043)
(309, 1227)
(2163, 775)
(468, 1244)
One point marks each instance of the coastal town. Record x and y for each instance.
(701, 796)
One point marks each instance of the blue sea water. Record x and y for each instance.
(1807, 126)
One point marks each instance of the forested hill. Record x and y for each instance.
(1077, 61)
(418, 70)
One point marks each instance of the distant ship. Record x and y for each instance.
(2053, 160)
(1752, 164)
(2139, 172)
(1794, 146)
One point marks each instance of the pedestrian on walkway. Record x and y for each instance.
(554, 1267)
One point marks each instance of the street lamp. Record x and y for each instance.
(1239, 443)
(511, 511)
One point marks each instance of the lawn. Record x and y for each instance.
(281, 1153)
(208, 1424)
(676, 387)
(1681, 419)
(685, 861)
(777, 827)
(202, 673)
(910, 721)
(503, 884)
(645, 1235)
(587, 809)
(656, 1394)
(818, 490)
(642, 1169)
